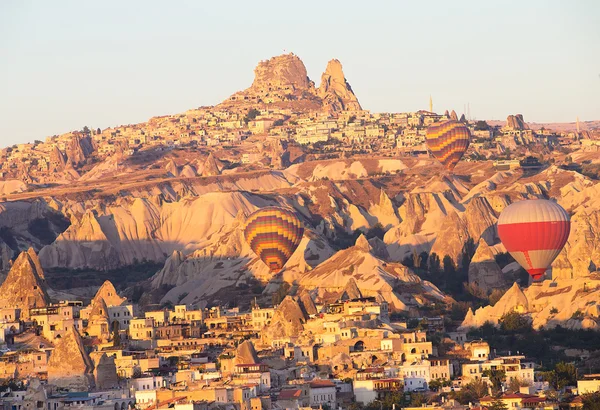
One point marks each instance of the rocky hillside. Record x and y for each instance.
(283, 82)
(571, 303)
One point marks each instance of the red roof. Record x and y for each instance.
(315, 384)
(290, 394)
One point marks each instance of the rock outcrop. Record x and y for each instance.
(25, 286)
(335, 91)
(484, 271)
(288, 321)
(286, 71)
(70, 366)
(212, 166)
(570, 303)
(451, 239)
(109, 295)
(516, 122)
(246, 353)
(373, 277)
(105, 371)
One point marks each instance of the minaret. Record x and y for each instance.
(577, 125)
(430, 104)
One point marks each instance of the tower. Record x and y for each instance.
(577, 125)
(430, 104)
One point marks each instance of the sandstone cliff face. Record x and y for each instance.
(335, 91)
(484, 271)
(70, 366)
(25, 286)
(451, 239)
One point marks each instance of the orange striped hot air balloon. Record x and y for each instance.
(448, 142)
(273, 233)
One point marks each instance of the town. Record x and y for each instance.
(349, 353)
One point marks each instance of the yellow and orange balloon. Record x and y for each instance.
(448, 141)
(273, 233)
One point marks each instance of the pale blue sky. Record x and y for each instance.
(66, 64)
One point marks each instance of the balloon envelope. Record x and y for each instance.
(448, 141)
(534, 232)
(273, 233)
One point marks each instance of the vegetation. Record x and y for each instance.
(471, 392)
(497, 377)
(281, 293)
(252, 114)
(515, 322)
(564, 374)
(497, 405)
(591, 401)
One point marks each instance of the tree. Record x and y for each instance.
(515, 384)
(591, 401)
(496, 377)
(566, 375)
(434, 264)
(515, 322)
(251, 115)
(471, 392)
(85, 130)
(497, 405)
(116, 335)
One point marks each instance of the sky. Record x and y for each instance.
(67, 64)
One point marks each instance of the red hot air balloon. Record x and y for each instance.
(534, 232)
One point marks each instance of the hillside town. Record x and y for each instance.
(348, 353)
(265, 125)
(128, 280)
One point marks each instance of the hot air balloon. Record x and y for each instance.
(273, 233)
(534, 232)
(448, 142)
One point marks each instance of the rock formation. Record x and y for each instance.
(25, 286)
(246, 353)
(70, 366)
(570, 303)
(373, 277)
(335, 91)
(283, 81)
(109, 295)
(288, 320)
(285, 72)
(451, 239)
(484, 271)
(307, 303)
(453, 116)
(516, 122)
(105, 371)
(212, 166)
(98, 320)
